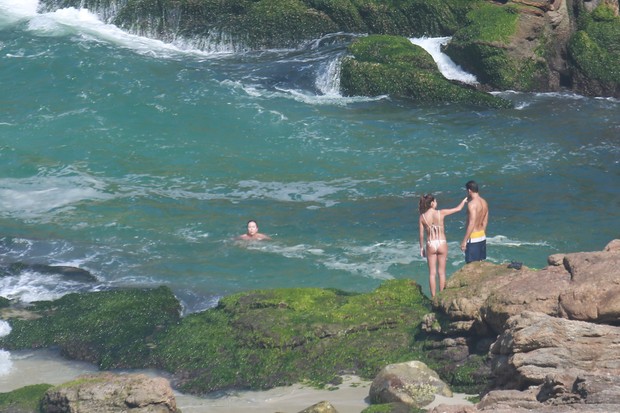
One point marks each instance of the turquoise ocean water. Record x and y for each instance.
(141, 161)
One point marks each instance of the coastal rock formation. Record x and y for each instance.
(523, 45)
(391, 65)
(111, 393)
(558, 331)
(411, 383)
(481, 297)
(536, 348)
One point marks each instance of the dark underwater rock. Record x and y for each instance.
(67, 272)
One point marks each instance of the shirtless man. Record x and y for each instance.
(474, 243)
(253, 233)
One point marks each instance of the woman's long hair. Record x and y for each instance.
(425, 203)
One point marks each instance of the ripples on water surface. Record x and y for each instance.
(141, 161)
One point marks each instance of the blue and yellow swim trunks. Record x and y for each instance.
(476, 249)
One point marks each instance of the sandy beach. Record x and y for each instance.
(45, 366)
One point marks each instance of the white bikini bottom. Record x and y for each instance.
(435, 243)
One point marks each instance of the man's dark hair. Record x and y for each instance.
(472, 186)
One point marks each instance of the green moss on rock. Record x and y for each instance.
(488, 47)
(390, 65)
(4, 302)
(275, 23)
(266, 338)
(113, 329)
(594, 53)
(23, 400)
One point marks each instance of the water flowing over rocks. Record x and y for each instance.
(523, 45)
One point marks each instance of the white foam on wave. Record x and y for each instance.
(12, 11)
(6, 365)
(302, 191)
(372, 261)
(43, 195)
(81, 21)
(30, 286)
(507, 242)
(5, 328)
(311, 98)
(446, 66)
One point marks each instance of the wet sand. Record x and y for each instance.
(45, 366)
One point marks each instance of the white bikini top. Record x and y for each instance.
(434, 231)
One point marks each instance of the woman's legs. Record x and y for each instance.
(442, 258)
(431, 257)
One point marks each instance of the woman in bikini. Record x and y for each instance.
(431, 224)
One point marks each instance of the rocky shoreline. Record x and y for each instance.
(521, 45)
(543, 341)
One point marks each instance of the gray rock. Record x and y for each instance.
(111, 393)
(411, 383)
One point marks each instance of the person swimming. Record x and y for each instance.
(431, 225)
(252, 233)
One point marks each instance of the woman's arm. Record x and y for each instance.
(458, 208)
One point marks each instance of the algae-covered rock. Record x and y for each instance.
(506, 46)
(113, 329)
(258, 339)
(272, 23)
(594, 53)
(4, 302)
(23, 400)
(267, 338)
(390, 65)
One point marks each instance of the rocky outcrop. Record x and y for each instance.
(524, 45)
(111, 393)
(481, 297)
(536, 348)
(391, 65)
(558, 331)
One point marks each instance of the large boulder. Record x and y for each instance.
(536, 346)
(481, 296)
(595, 287)
(411, 383)
(545, 364)
(111, 393)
